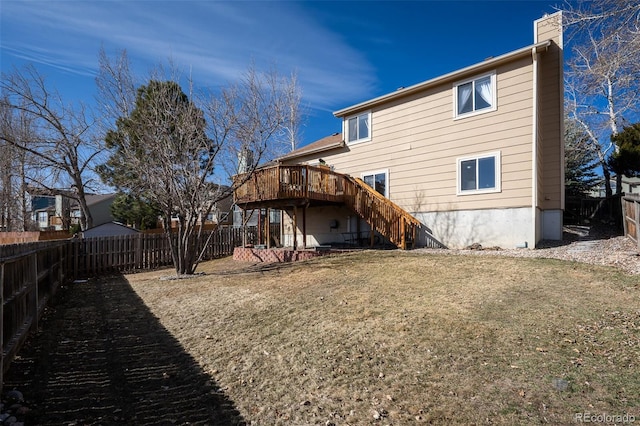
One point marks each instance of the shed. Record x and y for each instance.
(109, 229)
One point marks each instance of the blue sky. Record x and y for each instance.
(343, 52)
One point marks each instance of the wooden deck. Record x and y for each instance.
(290, 185)
(299, 185)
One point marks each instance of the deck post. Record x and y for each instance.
(414, 236)
(244, 228)
(267, 227)
(304, 226)
(295, 227)
(373, 227)
(260, 226)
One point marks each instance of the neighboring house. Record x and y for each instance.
(222, 213)
(100, 207)
(43, 209)
(50, 210)
(109, 229)
(57, 210)
(475, 155)
(630, 185)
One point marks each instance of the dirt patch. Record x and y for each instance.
(361, 338)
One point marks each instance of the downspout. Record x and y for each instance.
(534, 149)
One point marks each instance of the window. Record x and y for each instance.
(479, 174)
(378, 181)
(475, 96)
(358, 128)
(43, 218)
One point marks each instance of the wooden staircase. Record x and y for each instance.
(296, 185)
(382, 214)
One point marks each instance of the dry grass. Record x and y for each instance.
(410, 338)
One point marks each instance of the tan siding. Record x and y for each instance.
(418, 141)
(550, 118)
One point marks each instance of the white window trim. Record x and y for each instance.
(494, 103)
(498, 188)
(345, 130)
(377, 172)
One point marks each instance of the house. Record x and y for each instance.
(99, 205)
(50, 209)
(43, 209)
(57, 209)
(630, 185)
(221, 214)
(473, 156)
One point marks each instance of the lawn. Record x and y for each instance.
(403, 338)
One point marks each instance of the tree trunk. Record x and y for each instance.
(607, 180)
(618, 184)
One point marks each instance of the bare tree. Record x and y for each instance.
(180, 151)
(116, 88)
(61, 135)
(293, 118)
(18, 169)
(601, 83)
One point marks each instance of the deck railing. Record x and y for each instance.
(318, 183)
(289, 182)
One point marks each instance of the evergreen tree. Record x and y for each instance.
(135, 211)
(580, 161)
(626, 160)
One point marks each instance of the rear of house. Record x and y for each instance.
(475, 155)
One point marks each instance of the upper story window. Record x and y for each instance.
(358, 127)
(476, 95)
(479, 174)
(378, 180)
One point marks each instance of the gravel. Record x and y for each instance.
(586, 244)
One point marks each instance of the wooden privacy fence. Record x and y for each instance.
(27, 282)
(129, 253)
(631, 217)
(30, 273)
(579, 209)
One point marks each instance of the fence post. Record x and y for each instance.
(34, 292)
(75, 248)
(623, 203)
(137, 255)
(637, 221)
(1, 326)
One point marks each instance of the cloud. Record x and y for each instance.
(216, 41)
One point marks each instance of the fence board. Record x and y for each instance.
(631, 217)
(27, 282)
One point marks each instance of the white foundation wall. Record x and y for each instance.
(325, 225)
(505, 228)
(552, 224)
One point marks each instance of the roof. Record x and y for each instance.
(492, 62)
(324, 144)
(109, 229)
